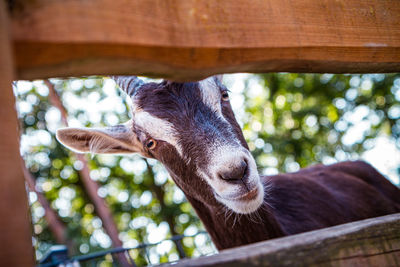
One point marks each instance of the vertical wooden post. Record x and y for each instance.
(15, 231)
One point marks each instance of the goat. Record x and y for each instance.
(191, 129)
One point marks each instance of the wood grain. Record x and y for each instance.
(372, 242)
(190, 39)
(15, 230)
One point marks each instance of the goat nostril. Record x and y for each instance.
(245, 173)
(243, 166)
(236, 174)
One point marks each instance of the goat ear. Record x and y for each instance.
(111, 140)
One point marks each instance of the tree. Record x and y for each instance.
(289, 120)
(301, 119)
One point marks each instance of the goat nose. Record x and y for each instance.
(235, 174)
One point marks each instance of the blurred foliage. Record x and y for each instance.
(289, 120)
(294, 120)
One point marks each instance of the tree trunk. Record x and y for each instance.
(159, 193)
(91, 187)
(54, 222)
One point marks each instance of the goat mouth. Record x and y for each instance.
(245, 203)
(250, 195)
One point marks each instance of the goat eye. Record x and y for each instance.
(225, 96)
(151, 144)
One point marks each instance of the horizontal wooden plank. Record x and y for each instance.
(191, 39)
(372, 242)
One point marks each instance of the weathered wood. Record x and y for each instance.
(192, 39)
(372, 242)
(15, 230)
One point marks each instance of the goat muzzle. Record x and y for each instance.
(237, 174)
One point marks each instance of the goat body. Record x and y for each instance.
(191, 129)
(313, 198)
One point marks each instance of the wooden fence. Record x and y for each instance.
(181, 40)
(372, 242)
(193, 39)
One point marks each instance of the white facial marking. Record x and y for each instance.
(224, 158)
(223, 155)
(228, 196)
(157, 129)
(211, 94)
(248, 206)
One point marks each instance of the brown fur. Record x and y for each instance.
(313, 198)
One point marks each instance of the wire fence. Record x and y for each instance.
(145, 254)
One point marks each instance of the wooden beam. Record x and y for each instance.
(191, 39)
(15, 230)
(372, 242)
